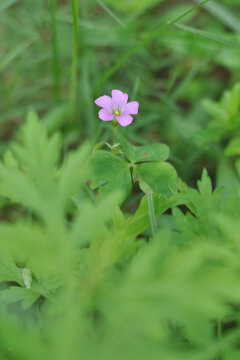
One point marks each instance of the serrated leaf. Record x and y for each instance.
(233, 147)
(234, 100)
(15, 185)
(226, 176)
(161, 177)
(82, 231)
(73, 173)
(38, 153)
(215, 110)
(9, 160)
(8, 270)
(205, 184)
(27, 241)
(16, 293)
(34, 183)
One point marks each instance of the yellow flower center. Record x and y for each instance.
(116, 112)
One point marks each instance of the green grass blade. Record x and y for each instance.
(55, 54)
(187, 79)
(223, 14)
(151, 213)
(144, 42)
(208, 36)
(87, 94)
(7, 3)
(73, 91)
(109, 12)
(9, 57)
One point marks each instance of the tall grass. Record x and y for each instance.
(55, 53)
(74, 67)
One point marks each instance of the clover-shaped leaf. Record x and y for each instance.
(161, 177)
(108, 173)
(150, 152)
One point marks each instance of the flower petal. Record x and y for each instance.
(104, 101)
(124, 119)
(132, 107)
(119, 99)
(105, 115)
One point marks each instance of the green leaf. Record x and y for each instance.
(225, 114)
(139, 222)
(9, 160)
(208, 36)
(109, 172)
(111, 13)
(233, 147)
(118, 218)
(234, 100)
(226, 176)
(98, 214)
(6, 3)
(223, 14)
(215, 110)
(25, 340)
(161, 177)
(151, 152)
(38, 154)
(237, 165)
(29, 245)
(205, 184)
(19, 188)
(9, 271)
(16, 293)
(127, 6)
(32, 184)
(72, 173)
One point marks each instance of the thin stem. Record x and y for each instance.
(115, 132)
(219, 328)
(151, 213)
(55, 54)
(73, 94)
(219, 334)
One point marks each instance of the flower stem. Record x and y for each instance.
(151, 214)
(115, 131)
(219, 328)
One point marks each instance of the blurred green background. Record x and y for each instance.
(58, 56)
(175, 296)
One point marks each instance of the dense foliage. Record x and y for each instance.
(125, 246)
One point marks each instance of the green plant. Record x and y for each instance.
(79, 277)
(105, 251)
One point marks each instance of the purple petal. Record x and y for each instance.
(104, 101)
(132, 107)
(124, 119)
(105, 115)
(119, 99)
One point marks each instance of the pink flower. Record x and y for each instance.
(117, 107)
